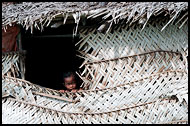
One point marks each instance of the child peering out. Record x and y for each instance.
(70, 83)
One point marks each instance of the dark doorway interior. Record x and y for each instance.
(49, 55)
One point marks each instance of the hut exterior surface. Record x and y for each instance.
(134, 71)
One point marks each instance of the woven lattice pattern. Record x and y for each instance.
(129, 94)
(115, 72)
(88, 98)
(9, 83)
(128, 40)
(104, 65)
(131, 76)
(11, 64)
(112, 58)
(164, 111)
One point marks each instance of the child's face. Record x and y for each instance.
(70, 83)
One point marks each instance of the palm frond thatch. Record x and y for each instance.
(40, 14)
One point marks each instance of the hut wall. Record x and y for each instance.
(13, 64)
(128, 54)
(146, 99)
(131, 76)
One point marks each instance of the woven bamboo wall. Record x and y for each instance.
(11, 64)
(127, 53)
(161, 112)
(122, 104)
(130, 76)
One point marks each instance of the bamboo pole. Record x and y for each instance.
(53, 96)
(131, 56)
(54, 36)
(21, 58)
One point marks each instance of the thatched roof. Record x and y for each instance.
(40, 14)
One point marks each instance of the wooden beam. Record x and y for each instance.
(53, 36)
(54, 96)
(21, 58)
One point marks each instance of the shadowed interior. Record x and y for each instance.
(49, 54)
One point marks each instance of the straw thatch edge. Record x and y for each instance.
(40, 14)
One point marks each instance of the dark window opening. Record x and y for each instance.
(50, 53)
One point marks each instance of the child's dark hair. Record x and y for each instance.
(68, 74)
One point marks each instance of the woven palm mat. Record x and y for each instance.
(145, 90)
(146, 97)
(123, 41)
(160, 111)
(11, 64)
(110, 73)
